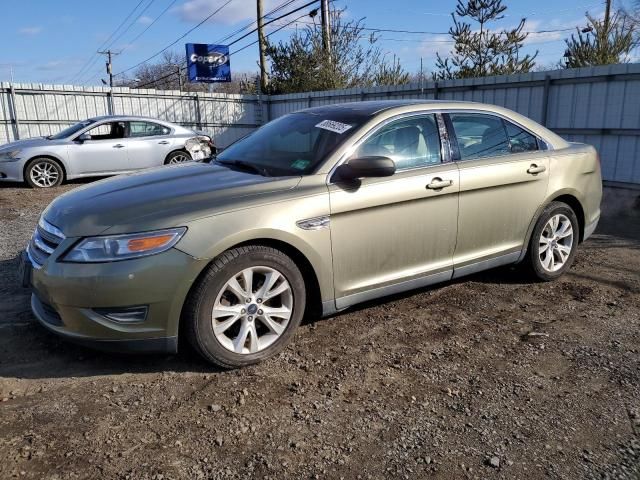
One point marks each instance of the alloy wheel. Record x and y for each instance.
(179, 158)
(44, 174)
(252, 310)
(556, 242)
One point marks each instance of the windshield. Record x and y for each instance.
(67, 132)
(294, 144)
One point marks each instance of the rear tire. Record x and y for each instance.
(179, 156)
(43, 172)
(554, 241)
(231, 331)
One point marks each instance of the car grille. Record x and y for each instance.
(44, 241)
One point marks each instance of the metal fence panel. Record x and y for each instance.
(596, 105)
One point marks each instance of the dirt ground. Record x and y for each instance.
(492, 376)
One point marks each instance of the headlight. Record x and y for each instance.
(122, 247)
(9, 155)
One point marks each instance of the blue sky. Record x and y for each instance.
(55, 41)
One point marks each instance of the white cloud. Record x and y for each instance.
(144, 20)
(30, 31)
(194, 11)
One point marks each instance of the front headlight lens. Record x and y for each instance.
(122, 247)
(9, 155)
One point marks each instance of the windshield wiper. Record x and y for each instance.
(246, 166)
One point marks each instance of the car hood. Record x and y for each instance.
(159, 198)
(29, 143)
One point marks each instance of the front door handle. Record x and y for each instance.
(535, 169)
(163, 142)
(119, 145)
(438, 183)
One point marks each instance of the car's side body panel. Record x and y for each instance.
(498, 199)
(390, 230)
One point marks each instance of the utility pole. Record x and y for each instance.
(179, 77)
(326, 26)
(607, 14)
(262, 47)
(109, 64)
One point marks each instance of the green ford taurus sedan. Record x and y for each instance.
(314, 212)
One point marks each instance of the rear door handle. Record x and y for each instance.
(163, 142)
(535, 169)
(438, 183)
(119, 145)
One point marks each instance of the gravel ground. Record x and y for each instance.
(492, 376)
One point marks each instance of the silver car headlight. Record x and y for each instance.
(9, 155)
(123, 247)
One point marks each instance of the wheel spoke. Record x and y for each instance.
(272, 325)
(221, 327)
(254, 341)
(283, 287)
(241, 339)
(269, 281)
(247, 276)
(564, 252)
(236, 289)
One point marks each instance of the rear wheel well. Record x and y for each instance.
(183, 150)
(575, 205)
(54, 159)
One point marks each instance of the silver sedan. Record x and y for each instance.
(100, 146)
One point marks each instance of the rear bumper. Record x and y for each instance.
(589, 229)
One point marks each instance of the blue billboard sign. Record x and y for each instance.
(208, 63)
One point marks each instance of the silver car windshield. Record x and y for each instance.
(67, 132)
(294, 144)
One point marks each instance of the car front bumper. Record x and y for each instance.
(70, 299)
(11, 171)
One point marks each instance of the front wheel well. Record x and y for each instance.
(50, 157)
(576, 206)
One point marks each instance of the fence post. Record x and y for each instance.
(13, 113)
(198, 114)
(545, 99)
(110, 106)
(435, 90)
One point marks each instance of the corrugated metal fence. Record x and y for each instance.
(598, 105)
(30, 110)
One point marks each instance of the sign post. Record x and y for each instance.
(208, 63)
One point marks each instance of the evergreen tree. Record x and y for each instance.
(481, 51)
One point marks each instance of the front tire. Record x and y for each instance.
(43, 173)
(554, 242)
(245, 307)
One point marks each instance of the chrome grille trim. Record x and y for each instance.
(44, 241)
(51, 229)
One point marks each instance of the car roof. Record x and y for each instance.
(373, 107)
(128, 117)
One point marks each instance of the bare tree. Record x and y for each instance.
(301, 64)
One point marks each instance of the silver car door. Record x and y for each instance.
(99, 150)
(149, 144)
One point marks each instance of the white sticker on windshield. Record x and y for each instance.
(334, 126)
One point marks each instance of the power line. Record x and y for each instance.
(132, 41)
(176, 40)
(93, 58)
(131, 24)
(238, 39)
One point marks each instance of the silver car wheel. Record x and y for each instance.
(252, 310)
(179, 158)
(44, 174)
(556, 242)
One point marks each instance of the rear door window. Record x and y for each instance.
(520, 139)
(147, 129)
(480, 135)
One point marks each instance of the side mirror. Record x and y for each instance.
(366, 167)
(83, 138)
